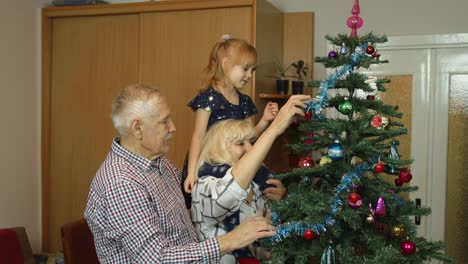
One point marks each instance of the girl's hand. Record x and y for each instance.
(276, 193)
(189, 183)
(270, 112)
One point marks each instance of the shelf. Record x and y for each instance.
(274, 96)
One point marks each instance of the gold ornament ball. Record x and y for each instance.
(370, 219)
(398, 231)
(325, 160)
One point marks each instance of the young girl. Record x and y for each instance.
(230, 67)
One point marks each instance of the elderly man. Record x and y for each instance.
(135, 208)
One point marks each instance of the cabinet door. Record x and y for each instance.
(92, 58)
(174, 48)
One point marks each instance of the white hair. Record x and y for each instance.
(135, 101)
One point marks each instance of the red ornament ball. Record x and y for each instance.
(370, 50)
(306, 162)
(376, 121)
(379, 167)
(309, 234)
(405, 175)
(407, 248)
(354, 200)
(308, 115)
(398, 182)
(370, 97)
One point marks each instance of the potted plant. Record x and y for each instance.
(282, 84)
(298, 86)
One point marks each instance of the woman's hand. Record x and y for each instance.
(294, 107)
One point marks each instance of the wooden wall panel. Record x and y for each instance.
(173, 58)
(299, 42)
(92, 59)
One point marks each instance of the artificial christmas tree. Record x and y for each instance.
(340, 209)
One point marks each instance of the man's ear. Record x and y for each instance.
(136, 128)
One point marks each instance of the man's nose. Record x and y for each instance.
(172, 127)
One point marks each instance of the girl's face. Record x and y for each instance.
(239, 148)
(239, 75)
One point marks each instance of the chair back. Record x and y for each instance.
(15, 246)
(78, 243)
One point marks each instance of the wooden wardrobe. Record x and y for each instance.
(89, 53)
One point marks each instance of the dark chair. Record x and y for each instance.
(78, 243)
(15, 246)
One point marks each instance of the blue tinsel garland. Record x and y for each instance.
(320, 101)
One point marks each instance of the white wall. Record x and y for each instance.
(20, 117)
(389, 17)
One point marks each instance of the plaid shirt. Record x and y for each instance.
(136, 213)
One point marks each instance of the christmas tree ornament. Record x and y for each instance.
(354, 200)
(325, 160)
(405, 175)
(309, 142)
(328, 256)
(336, 151)
(370, 49)
(306, 162)
(385, 122)
(379, 167)
(407, 247)
(370, 97)
(376, 55)
(359, 50)
(398, 182)
(308, 115)
(354, 22)
(380, 209)
(332, 54)
(398, 231)
(379, 121)
(370, 219)
(391, 168)
(345, 107)
(344, 49)
(308, 234)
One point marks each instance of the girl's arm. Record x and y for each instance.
(201, 124)
(244, 170)
(270, 112)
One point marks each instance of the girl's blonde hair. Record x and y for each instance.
(219, 137)
(238, 51)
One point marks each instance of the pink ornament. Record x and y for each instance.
(354, 22)
(380, 209)
(407, 247)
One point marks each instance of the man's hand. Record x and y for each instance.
(246, 233)
(276, 193)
